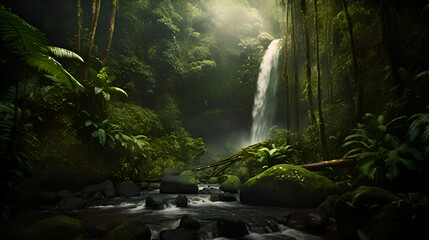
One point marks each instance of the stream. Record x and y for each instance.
(262, 222)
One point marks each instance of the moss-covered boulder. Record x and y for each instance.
(58, 227)
(178, 184)
(130, 230)
(213, 180)
(232, 184)
(288, 186)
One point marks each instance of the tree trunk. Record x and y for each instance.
(295, 85)
(322, 133)
(285, 70)
(390, 39)
(79, 26)
(111, 29)
(358, 86)
(307, 62)
(328, 53)
(95, 13)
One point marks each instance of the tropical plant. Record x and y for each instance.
(270, 157)
(381, 152)
(24, 40)
(419, 129)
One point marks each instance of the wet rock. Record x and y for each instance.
(170, 171)
(227, 197)
(243, 174)
(287, 186)
(153, 203)
(229, 227)
(96, 196)
(71, 203)
(130, 230)
(53, 228)
(232, 184)
(127, 189)
(108, 189)
(105, 187)
(178, 234)
(316, 221)
(63, 194)
(214, 197)
(178, 184)
(189, 223)
(181, 201)
(285, 219)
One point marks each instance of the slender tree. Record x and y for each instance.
(307, 62)
(295, 85)
(319, 91)
(358, 86)
(111, 29)
(79, 26)
(285, 10)
(95, 13)
(327, 52)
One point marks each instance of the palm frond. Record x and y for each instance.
(50, 65)
(64, 53)
(20, 36)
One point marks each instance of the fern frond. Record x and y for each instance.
(20, 36)
(50, 65)
(64, 53)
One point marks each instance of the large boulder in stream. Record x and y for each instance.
(287, 186)
(178, 184)
(53, 228)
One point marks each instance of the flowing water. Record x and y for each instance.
(262, 222)
(264, 105)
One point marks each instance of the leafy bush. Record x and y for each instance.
(381, 151)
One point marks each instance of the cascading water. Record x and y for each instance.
(264, 104)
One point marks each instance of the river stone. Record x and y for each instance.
(328, 204)
(127, 189)
(213, 180)
(178, 234)
(287, 186)
(229, 227)
(189, 223)
(181, 201)
(232, 184)
(131, 230)
(54, 228)
(178, 184)
(71, 203)
(154, 203)
(108, 189)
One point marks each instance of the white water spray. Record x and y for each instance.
(264, 104)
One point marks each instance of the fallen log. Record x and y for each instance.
(336, 163)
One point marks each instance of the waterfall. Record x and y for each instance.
(264, 105)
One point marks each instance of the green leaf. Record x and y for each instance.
(116, 89)
(102, 136)
(97, 90)
(64, 53)
(50, 65)
(20, 36)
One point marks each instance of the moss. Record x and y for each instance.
(232, 184)
(213, 180)
(130, 230)
(288, 186)
(58, 227)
